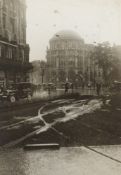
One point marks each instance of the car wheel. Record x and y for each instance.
(12, 99)
(29, 97)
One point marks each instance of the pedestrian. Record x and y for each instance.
(49, 89)
(1, 88)
(83, 85)
(66, 87)
(98, 88)
(72, 87)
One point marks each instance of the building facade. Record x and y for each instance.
(70, 59)
(65, 58)
(14, 52)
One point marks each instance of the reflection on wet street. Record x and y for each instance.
(66, 161)
(58, 111)
(81, 126)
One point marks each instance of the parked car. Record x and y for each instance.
(17, 91)
(52, 86)
(8, 94)
(49, 86)
(115, 87)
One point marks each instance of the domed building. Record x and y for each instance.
(65, 57)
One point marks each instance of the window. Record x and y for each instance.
(0, 51)
(4, 21)
(22, 52)
(3, 51)
(12, 23)
(11, 6)
(10, 53)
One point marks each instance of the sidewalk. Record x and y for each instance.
(91, 91)
(83, 91)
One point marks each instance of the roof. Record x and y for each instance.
(66, 35)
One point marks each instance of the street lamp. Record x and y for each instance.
(42, 67)
(42, 75)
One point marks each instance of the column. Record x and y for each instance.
(1, 17)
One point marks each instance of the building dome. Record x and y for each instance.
(65, 57)
(66, 35)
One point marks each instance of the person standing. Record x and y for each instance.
(49, 89)
(98, 85)
(72, 87)
(1, 88)
(98, 88)
(66, 87)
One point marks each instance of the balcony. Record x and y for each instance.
(16, 65)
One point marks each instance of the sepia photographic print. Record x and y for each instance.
(60, 87)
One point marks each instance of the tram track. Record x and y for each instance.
(62, 134)
(47, 126)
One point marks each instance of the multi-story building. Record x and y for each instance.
(14, 52)
(69, 58)
(65, 57)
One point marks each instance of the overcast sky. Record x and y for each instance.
(94, 20)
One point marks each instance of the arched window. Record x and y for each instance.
(4, 3)
(11, 5)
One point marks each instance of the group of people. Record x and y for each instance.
(68, 86)
(1, 88)
(71, 86)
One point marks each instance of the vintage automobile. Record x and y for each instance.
(52, 86)
(8, 94)
(49, 86)
(115, 87)
(115, 95)
(17, 91)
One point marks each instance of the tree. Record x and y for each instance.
(108, 59)
(103, 59)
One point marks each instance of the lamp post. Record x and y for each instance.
(42, 75)
(42, 68)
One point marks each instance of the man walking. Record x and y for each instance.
(98, 88)
(72, 87)
(98, 85)
(66, 87)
